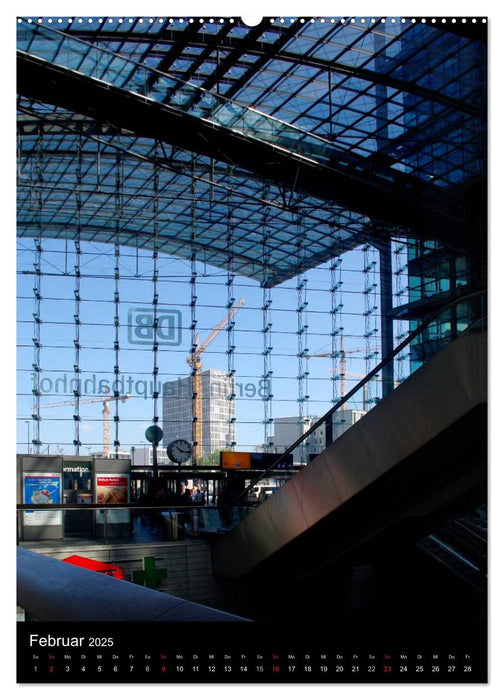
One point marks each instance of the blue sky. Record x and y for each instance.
(96, 358)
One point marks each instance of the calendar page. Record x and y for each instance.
(252, 359)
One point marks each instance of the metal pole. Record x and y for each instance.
(105, 526)
(28, 442)
(387, 322)
(154, 459)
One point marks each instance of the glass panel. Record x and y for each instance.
(433, 68)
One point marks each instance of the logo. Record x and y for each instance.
(167, 330)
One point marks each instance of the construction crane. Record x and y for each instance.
(105, 400)
(365, 388)
(196, 364)
(342, 363)
(342, 374)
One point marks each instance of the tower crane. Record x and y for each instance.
(196, 364)
(342, 364)
(365, 388)
(105, 400)
(343, 373)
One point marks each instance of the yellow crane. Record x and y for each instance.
(105, 400)
(196, 363)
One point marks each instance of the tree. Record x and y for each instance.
(211, 460)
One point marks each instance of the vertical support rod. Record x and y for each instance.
(302, 334)
(37, 290)
(329, 90)
(155, 302)
(77, 295)
(231, 397)
(267, 369)
(267, 340)
(386, 306)
(384, 247)
(196, 427)
(399, 275)
(117, 253)
(337, 345)
(370, 322)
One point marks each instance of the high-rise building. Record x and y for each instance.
(143, 456)
(437, 276)
(341, 421)
(287, 431)
(218, 410)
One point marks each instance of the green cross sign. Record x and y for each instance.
(149, 576)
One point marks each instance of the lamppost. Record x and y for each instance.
(154, 435)
(28, 442)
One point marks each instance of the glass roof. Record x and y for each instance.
(394, 102)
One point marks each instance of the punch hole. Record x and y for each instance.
(251, 21)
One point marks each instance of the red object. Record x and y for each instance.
(93, 565)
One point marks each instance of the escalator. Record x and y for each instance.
(461, 546)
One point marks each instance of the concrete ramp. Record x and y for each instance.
(426, 442)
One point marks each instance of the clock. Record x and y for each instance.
(179, 451)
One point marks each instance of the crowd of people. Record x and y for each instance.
(160, 497)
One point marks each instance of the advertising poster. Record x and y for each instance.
(266, 236)
(112, 489)
(235, 460)
(42, 489)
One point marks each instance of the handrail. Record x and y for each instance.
(46, 588)
(363, 382)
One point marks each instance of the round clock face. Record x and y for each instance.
(179, 451)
